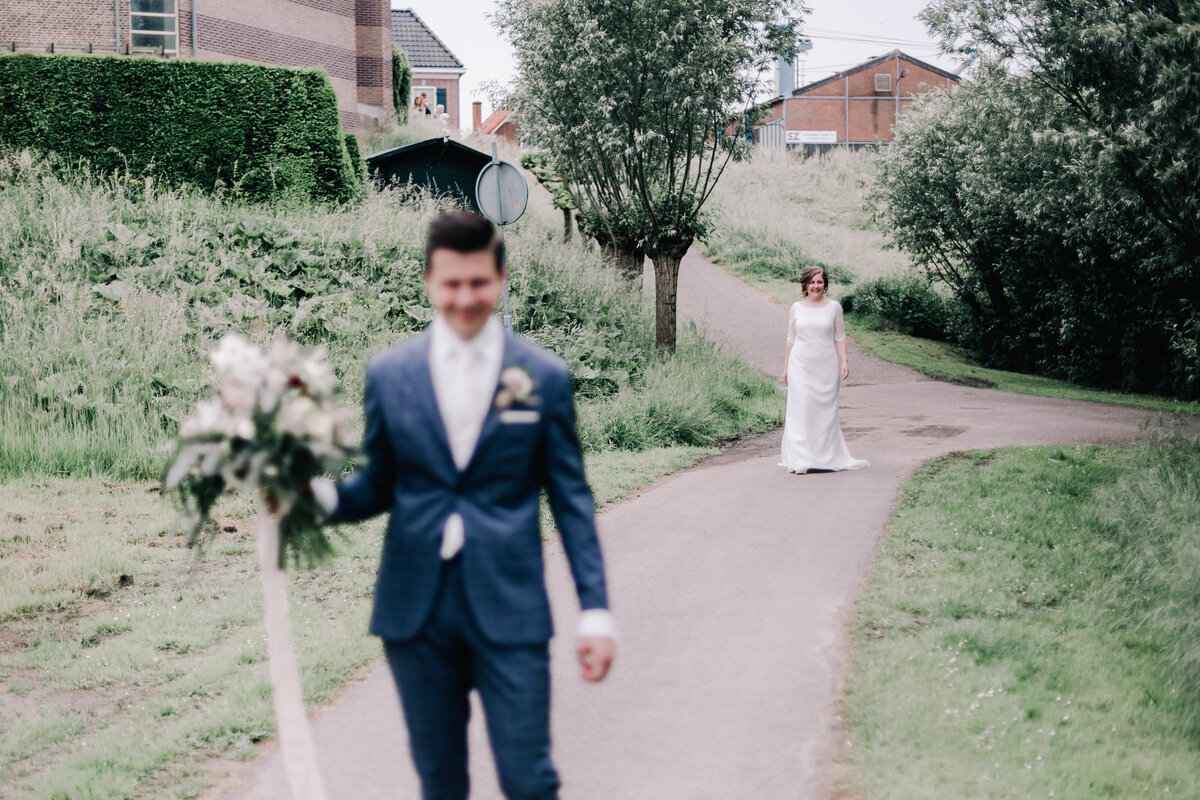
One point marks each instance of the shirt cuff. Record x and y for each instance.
(325, 493)
(598, 622)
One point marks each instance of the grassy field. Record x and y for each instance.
(947, 363)
(777, 214)
(128, 666)
(1031, 629)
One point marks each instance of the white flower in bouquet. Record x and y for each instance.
(271, 428)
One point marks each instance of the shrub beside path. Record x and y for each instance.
(731, 583)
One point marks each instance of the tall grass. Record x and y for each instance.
(778, 212)
(111, 295)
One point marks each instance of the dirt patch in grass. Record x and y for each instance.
(935, 431)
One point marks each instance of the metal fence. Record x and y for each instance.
(55, 47)
(773, 135)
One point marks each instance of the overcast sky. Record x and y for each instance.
(887, 25)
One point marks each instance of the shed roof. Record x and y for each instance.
(424, 49)
(443, 166)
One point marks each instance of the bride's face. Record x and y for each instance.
(816, 287)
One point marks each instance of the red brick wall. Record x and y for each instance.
(258, 44)
(43, 22)
(451, 87)
(817, 115)
(871, 114)
(507, 131)
(373, 37)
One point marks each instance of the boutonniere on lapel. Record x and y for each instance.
(516, 388)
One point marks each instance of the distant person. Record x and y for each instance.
(440, 115)
(421, 104)
(814, 365)
(466, 426)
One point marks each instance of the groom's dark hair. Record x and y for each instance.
(463, 232)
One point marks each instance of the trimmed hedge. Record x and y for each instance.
(270, 131)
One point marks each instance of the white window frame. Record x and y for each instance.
(883, 81)
(173, 16)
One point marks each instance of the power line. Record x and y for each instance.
(845, 36)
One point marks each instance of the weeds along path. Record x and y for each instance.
(731, 583)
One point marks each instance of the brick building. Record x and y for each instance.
(857, 106)
(500, 123)
(350, 39)
(436, 71)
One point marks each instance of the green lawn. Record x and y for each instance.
(947, 363)
(1031, 629)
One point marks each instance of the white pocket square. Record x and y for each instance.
(519, 416)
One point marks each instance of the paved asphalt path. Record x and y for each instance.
(731, 583)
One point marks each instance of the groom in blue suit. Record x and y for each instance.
(465, 425)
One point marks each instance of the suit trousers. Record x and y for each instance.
(435, 672)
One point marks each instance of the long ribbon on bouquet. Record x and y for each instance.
(287, 693)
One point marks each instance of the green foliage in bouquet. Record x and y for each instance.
(270, 430)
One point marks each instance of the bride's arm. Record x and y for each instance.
(791, 338)
(839, 340)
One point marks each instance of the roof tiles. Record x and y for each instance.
(424, 49)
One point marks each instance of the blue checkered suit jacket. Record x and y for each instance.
(411, 473)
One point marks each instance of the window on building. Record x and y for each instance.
(883, 81)
(154, 23)
(441, 99)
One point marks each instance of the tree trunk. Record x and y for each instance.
(566, 212)
(628, 261)
(287, 693)
(666, 289)
(631, 264)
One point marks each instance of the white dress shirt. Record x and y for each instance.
(465, 374)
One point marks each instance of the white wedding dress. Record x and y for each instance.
(812, 437)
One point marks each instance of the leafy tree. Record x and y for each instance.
(1124, 75)
(1062, 268)
(401, 83)
(544, 169)
(636, 100)
(1125, 72)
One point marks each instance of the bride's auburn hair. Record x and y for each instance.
(810, 273)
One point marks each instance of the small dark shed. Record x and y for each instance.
(443, 165)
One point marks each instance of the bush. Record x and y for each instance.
(401, 84)
(358, 167)
(907, 303)
(269, 131)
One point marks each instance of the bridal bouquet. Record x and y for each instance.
(271, 428)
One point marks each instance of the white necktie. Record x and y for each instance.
(463, 424)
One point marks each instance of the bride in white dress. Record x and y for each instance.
(814, 367)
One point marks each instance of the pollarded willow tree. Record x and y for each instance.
(640, 102)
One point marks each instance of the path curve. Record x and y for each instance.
(731, 583)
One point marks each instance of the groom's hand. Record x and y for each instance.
(596, 655)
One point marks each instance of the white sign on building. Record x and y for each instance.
(812, 137)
